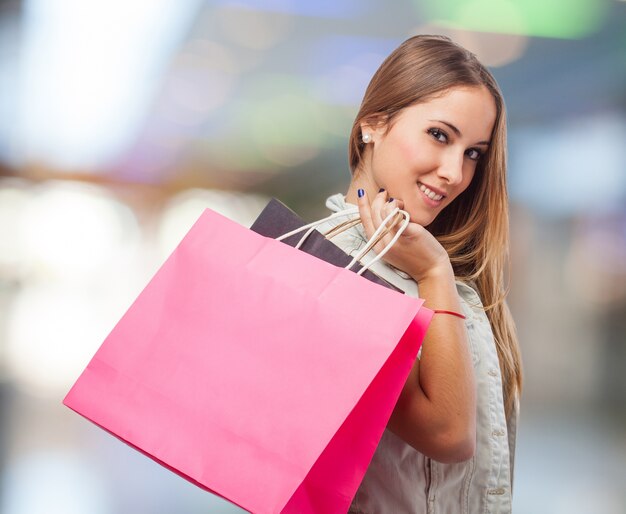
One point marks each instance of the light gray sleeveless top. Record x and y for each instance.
(401, 480)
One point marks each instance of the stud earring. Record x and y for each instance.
(367, 138)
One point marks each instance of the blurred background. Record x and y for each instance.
(120, 121)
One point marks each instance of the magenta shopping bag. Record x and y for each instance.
(258, 372)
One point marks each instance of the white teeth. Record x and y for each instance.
(430, 194)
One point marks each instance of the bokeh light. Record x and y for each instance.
(65, 484)
(79, 104)
(558, 18)
(182, 211)
(72, 230)
(574, 166)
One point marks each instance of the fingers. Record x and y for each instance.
(379, 204)
(365, 211)
(373, 214)
(388, 209)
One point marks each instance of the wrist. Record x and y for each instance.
(442, 271)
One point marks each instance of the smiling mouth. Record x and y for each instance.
(430, 194)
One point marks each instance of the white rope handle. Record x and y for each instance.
(311, 226)
(371, 243)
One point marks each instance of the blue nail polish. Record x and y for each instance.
(390, 200)
(360, 192)
(381, 189)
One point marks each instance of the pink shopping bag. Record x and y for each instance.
(258, 372)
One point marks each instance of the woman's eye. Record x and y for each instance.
(439, 135)
(474, 154)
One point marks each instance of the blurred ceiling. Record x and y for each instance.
(227, 94)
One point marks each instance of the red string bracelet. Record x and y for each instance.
(458, 315)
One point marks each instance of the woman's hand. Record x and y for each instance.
(416, 252)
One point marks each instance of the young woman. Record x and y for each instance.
(430, 137)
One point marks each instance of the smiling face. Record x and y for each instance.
(428, 156)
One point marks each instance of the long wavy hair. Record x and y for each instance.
(474, 228)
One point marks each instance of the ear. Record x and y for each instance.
(375, 126)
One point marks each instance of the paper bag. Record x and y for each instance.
(255, 370)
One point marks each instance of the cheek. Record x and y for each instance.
(398, 155)
(408, 151)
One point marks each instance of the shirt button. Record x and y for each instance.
(498, 491)
(498, 433)
(492, 372)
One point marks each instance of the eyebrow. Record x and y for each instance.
(458, 132)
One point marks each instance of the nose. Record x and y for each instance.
(451, 168)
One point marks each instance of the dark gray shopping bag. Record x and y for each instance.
(277, 219)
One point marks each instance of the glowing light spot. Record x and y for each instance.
(183, 210)
(569, 19)
(65, 483)
(285, 122)
(71, 230)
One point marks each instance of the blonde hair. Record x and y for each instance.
(474, 229)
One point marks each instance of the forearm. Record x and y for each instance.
(436, 412)
(446, 376)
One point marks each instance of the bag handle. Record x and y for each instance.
(311, 226)
(342, 227)
(376, 236)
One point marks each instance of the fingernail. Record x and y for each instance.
(390, 200)
(381, 189)
(360, 192)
